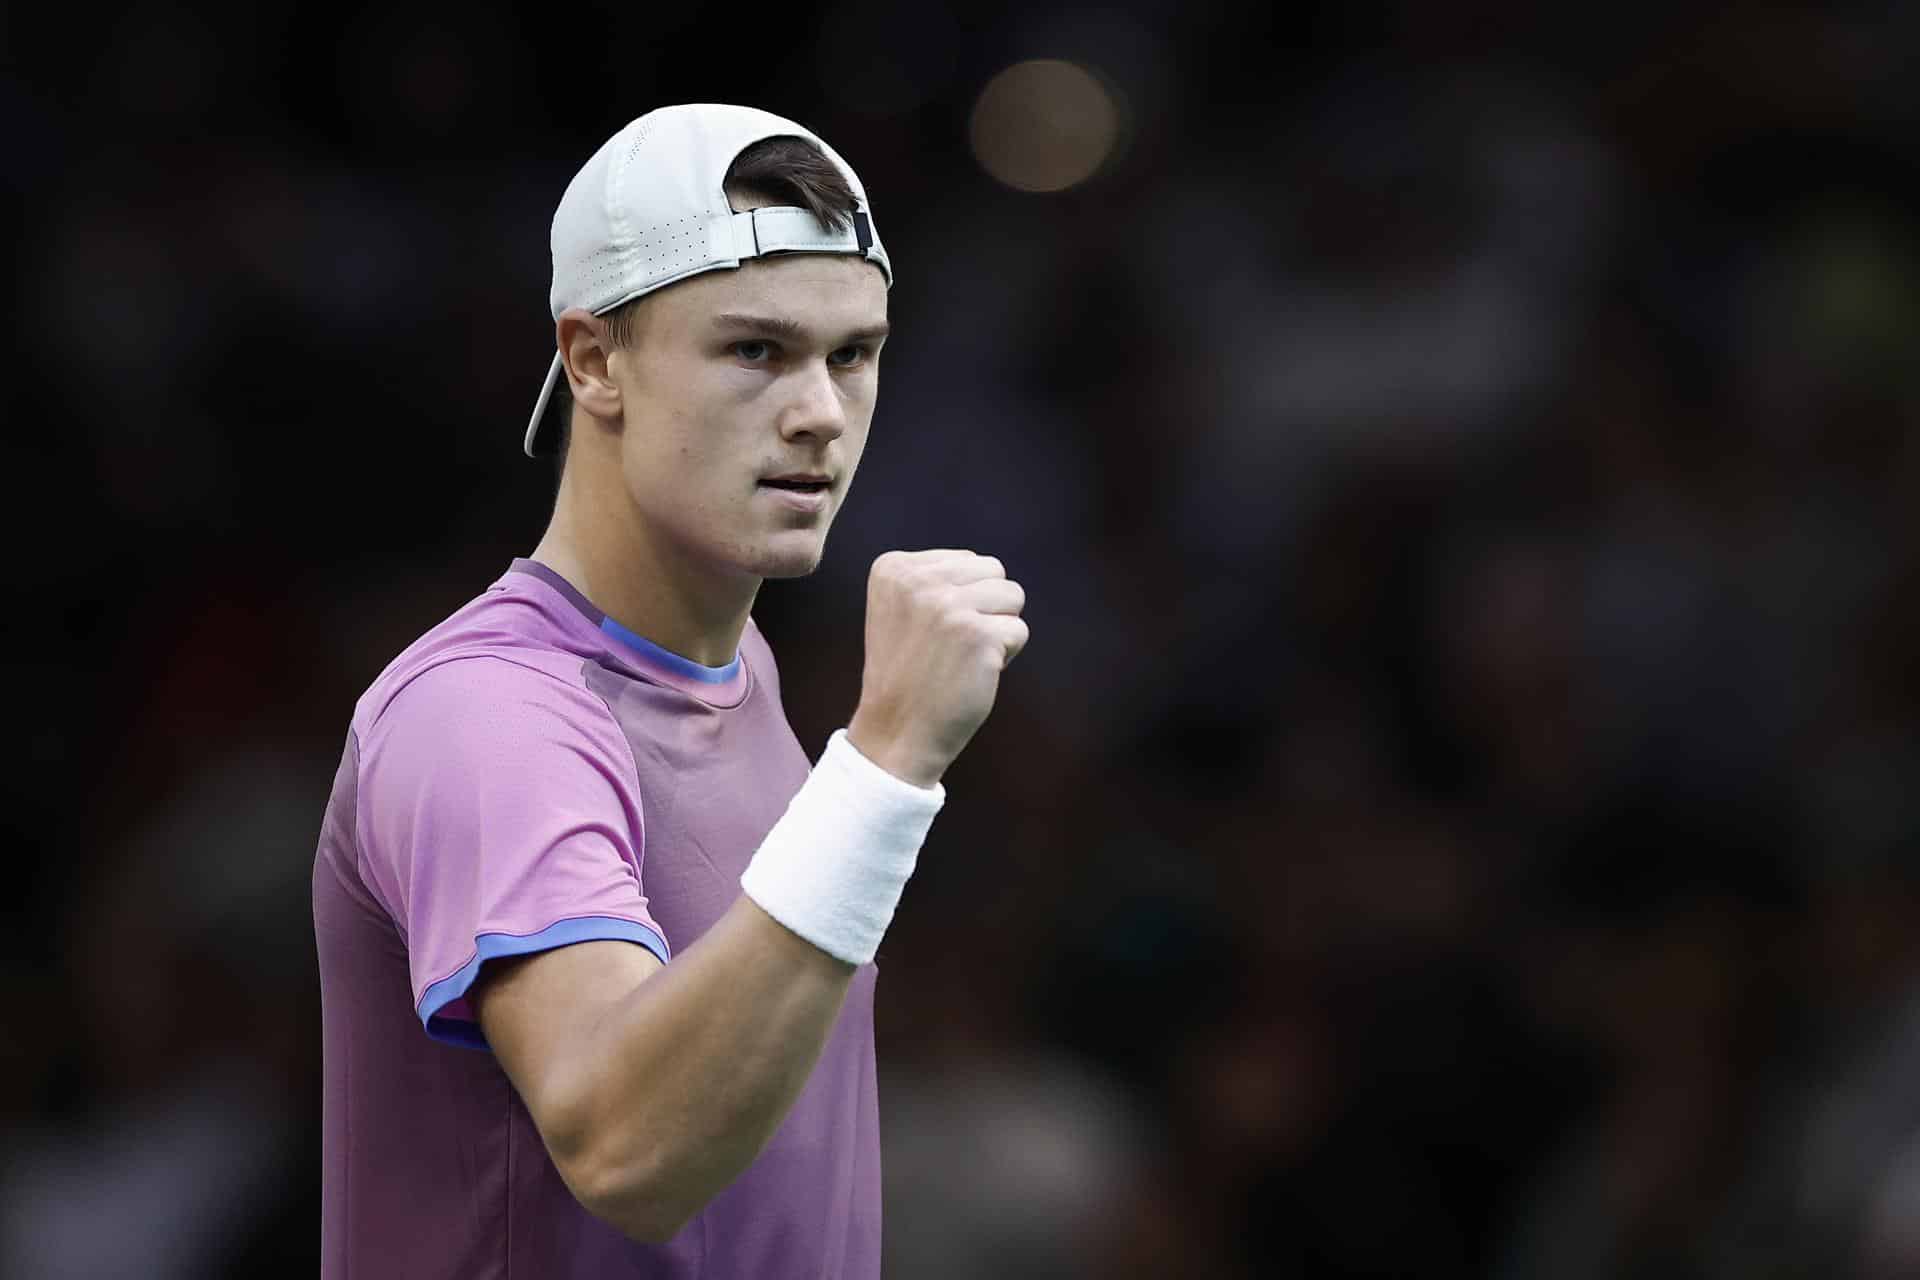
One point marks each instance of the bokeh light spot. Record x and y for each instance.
(1045, 125)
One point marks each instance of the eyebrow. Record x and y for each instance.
(781, 327)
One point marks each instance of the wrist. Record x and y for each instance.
(884, 751)
(833, 867)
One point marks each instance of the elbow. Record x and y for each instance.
(612, 1172)
(656, 1230)
(625, 1195)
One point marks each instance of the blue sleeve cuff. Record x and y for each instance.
(454, 1026)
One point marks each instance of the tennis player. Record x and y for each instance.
(596, 944)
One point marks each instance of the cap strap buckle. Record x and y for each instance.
(789, 229)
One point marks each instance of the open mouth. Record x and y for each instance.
(797, 486)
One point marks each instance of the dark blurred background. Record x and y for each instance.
(1459, 813)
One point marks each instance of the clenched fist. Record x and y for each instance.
(941, 627)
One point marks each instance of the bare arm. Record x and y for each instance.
(654, 1086)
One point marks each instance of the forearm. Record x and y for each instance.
(654, 1087)
(682, 1080)
(679, 1084)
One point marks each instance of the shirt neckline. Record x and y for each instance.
(723, 686)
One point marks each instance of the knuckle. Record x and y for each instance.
(919, 575)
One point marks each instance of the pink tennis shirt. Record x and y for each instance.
(527, 775)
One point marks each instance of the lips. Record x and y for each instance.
(798, 482)
(810, 498)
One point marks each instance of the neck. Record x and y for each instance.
(644, 582)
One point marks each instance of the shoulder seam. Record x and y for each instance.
(633, 763)
(367, 881)
(448, 659)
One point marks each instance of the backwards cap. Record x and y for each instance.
(647, 209)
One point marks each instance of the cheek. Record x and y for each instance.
(671, 442)
(686, 469)
(854, 443)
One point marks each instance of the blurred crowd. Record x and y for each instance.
(1459, 812)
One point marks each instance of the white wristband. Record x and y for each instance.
(833, 867)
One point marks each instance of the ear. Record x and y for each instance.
(582, 339)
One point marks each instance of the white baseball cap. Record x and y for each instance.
(647, 210)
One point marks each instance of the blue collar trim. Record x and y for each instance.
(666, 658)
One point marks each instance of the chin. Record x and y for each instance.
(790, 567)
(787, 562)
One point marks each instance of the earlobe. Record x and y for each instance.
(582, 340)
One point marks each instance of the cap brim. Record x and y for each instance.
(540, 444)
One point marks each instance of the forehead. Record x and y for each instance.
(823, 292)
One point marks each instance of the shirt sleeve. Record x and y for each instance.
(499, 816)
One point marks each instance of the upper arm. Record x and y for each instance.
(540, 1013)
(499, 818)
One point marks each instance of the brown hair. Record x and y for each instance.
(792, 171)
(782, 170)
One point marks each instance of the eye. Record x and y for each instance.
(847, 357)
(753, 350)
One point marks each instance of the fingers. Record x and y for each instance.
(964, 583)
(960, 571)
(1009, 633)
(991, 595)
(901, 561)
(944, 565)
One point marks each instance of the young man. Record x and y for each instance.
(572, 828)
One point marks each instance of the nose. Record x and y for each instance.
(814, 407)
